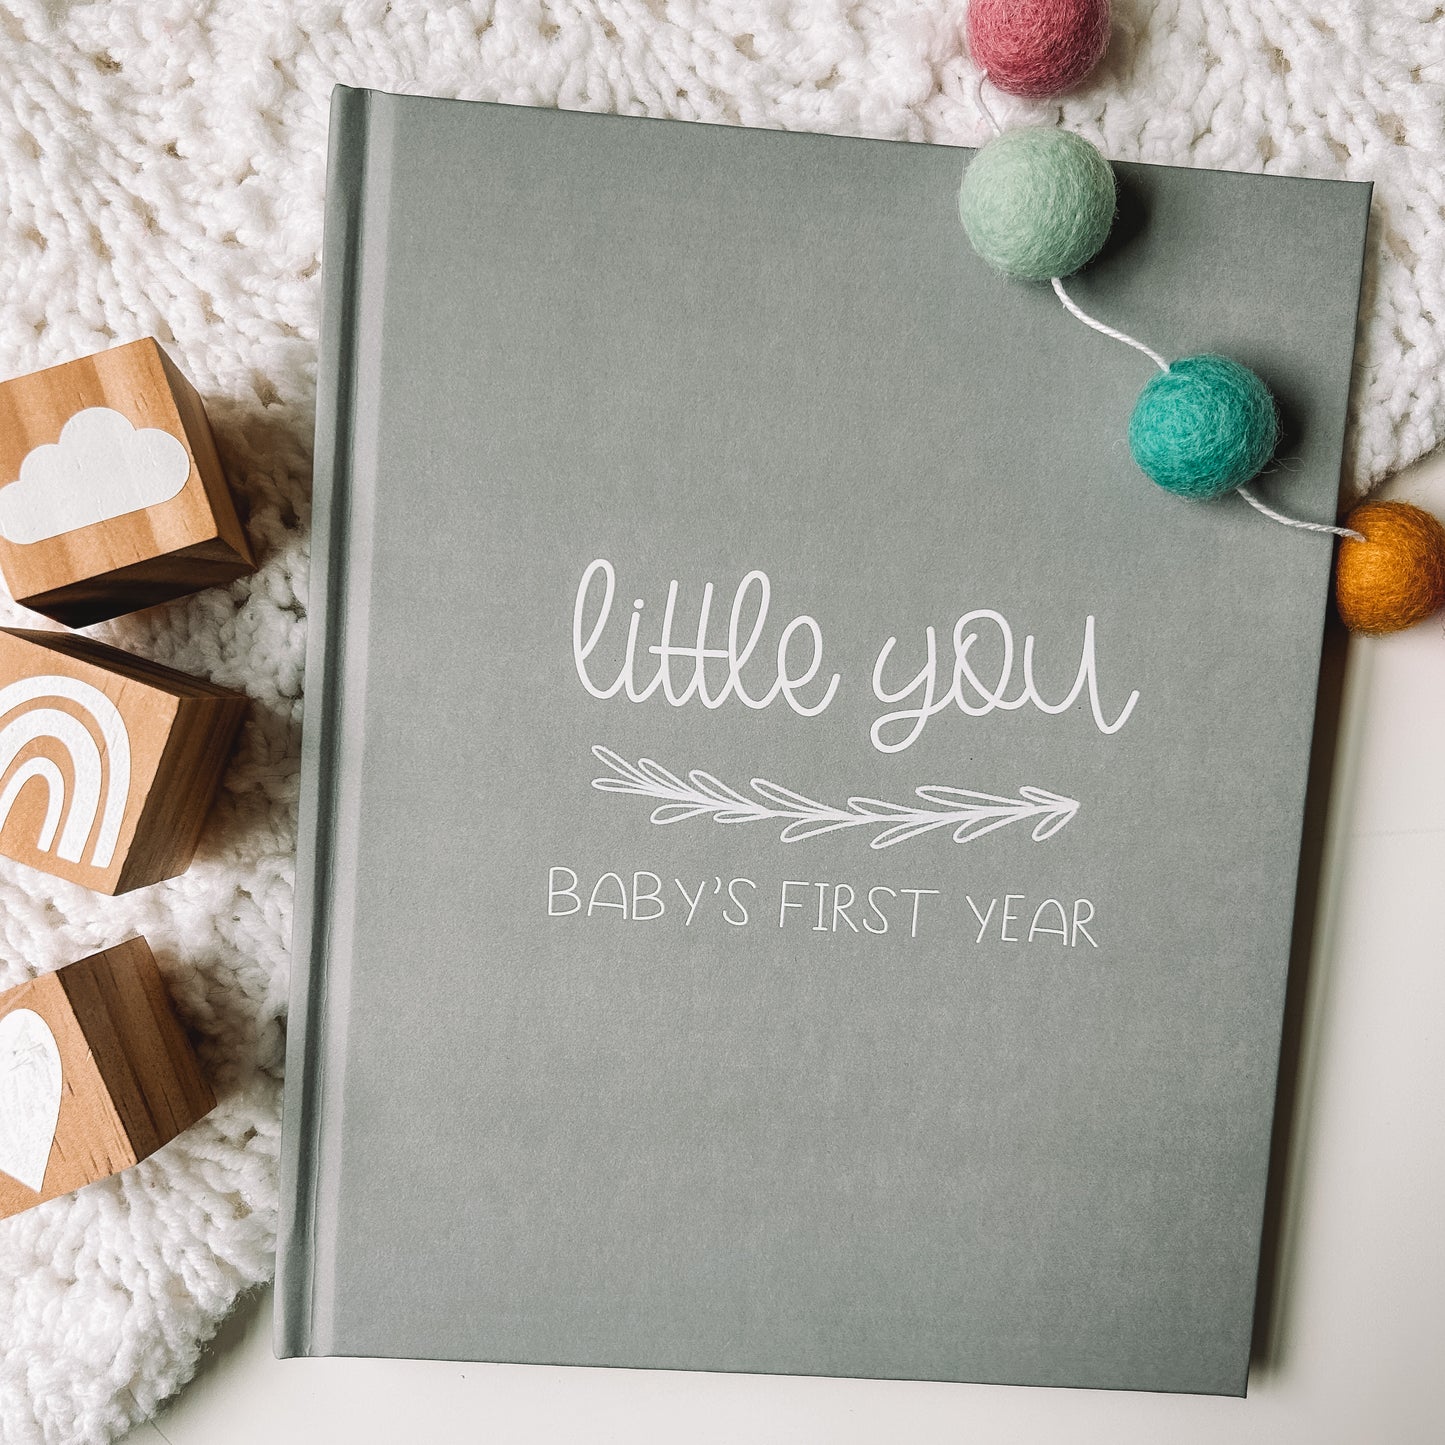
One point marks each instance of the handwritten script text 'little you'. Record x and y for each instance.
(690, 669)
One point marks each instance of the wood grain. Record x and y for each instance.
(192, 541)
(180, 730)
(130, 1078)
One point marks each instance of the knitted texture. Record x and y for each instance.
(1204, 427)
(1396, 576)
(161, 171)
(1037, 202)
(1037, 47)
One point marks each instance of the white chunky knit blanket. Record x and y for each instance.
(161, 172)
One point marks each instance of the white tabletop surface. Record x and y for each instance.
(1354, 1351)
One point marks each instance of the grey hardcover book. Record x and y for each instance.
(799, 836)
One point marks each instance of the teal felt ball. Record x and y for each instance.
(1037, 203)
(1204, 427)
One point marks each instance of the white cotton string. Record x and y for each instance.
(1074, 309)
(1295, 521)
(983, 104)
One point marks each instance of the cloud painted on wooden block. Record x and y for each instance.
(101, 468)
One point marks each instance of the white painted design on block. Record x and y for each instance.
(30, 1081)
(54, 780)
(96, 767)
(101, 468)
(968, 813)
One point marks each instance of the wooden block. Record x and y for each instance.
(108, 763)
(96, 1074)
(112, 496)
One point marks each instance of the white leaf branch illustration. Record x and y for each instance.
(970, 814)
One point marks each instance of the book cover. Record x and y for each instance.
(799, 837)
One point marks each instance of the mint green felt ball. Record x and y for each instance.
(1204, 427)
(1037, 203)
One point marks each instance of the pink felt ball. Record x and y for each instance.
(1037, 47)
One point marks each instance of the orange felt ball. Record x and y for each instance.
(1396, 576)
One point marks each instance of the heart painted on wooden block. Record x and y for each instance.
(30, 1081)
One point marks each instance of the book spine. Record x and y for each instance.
(308, 1048)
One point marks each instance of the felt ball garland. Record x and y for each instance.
(1037, 204)
(1203, 427)
(1037, 47)
(1395, 576)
